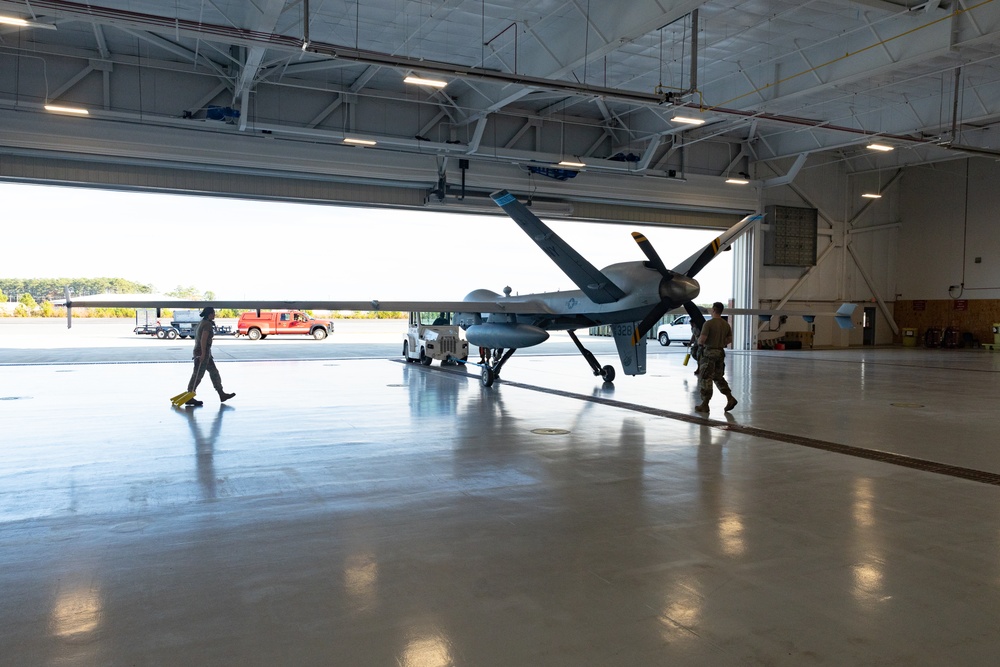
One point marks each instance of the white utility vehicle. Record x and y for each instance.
(432, 336)
(679, 329)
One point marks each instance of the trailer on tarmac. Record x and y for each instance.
(148, 324)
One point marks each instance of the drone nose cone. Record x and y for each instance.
(679, 289)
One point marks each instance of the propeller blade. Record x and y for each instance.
(651, 255)
(696, 262)
(654, 315)
(697, 317)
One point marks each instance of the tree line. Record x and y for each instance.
(34, 297)
(50, 289)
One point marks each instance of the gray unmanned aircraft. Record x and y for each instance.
(631, 297)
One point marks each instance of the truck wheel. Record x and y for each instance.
(161, 334)
(664, 339)
(424, 359)
(319, 333)
(172, 334)
(253, 334)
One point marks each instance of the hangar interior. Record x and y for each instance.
(877, 117)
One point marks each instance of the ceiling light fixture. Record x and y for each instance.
(569, 163)
(359, 142)
(871, 195)
(57, 108)
(24, 23)
(880, 147)
(420, 81)
(738, 181)
(688, 120)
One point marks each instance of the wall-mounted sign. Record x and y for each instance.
(919, 305)
(961, 304)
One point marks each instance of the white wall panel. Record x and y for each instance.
(940, 236)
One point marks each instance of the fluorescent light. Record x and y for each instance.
(61, 109)
(880, 147)
(738, 181)
(688, 120)
(359, 142)
(425, 82)
(568, 163)
(871, 195)
(24, 23)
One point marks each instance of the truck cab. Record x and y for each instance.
(432, 336)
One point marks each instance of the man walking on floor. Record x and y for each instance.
(203, 358)
(716, 335)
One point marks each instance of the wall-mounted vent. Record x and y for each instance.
(791, 239)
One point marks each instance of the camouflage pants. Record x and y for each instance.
(712, 369)
(199, 373)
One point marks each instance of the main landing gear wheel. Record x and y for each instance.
(487, 377)
(608, 373)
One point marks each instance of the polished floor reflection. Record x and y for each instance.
(370, 512)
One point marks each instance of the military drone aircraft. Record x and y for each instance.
(631, 297)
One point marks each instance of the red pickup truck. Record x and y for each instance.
(255, 326)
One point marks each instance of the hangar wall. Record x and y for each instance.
(949, 248)
(856, 252)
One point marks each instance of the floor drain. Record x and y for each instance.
(907, 405)
(13, 398)
(397, 385)
(550, 431)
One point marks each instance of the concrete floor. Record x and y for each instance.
(358, 511)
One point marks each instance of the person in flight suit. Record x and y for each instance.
(203, 358)
(716, 335)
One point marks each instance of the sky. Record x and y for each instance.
(242, 249)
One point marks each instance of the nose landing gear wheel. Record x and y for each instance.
(608, 373)
(487, 377)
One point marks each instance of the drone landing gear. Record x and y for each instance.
(491, 369)
(607, 372)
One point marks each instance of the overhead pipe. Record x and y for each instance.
(694, 52)
(305, 24)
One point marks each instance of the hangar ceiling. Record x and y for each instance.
(272, 89)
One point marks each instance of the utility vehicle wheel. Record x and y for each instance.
(319, 333)
(254, 334)
(406, 351)
(487, 377)
(424, 359)
(664, 339)
(608, 373)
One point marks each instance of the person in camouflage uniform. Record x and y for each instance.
(716, 335)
